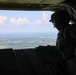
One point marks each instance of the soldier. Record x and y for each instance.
(66, 37)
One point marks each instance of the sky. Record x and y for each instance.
(25, 21)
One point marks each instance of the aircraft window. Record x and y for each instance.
(26, 29)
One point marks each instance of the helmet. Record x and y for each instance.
(60, 16)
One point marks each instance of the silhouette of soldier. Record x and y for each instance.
(66, 37)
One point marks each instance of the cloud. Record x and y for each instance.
(19, 21)
(45, 16)
(37, 22)
(2, 19)
(44, 19)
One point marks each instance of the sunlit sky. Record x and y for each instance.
(25, 21)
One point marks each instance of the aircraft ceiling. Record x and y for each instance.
(35, 5)
(29, 4)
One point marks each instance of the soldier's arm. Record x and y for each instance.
(73, 33)
(70, 33)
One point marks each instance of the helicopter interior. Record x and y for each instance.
(41, 60)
